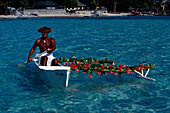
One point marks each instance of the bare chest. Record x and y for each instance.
(45, 43)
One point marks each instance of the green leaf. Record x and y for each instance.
(89, 72)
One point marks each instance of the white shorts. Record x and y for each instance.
(49, 56)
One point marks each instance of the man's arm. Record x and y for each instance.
(49, 50)
(32, 50)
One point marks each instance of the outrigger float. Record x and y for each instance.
(58, 76)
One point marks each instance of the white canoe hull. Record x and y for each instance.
(54, 76)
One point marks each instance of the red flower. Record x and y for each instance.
(66, 62)
(97, 69)
(106, 73)
(72, 66)
(90, 76)
(115, 74)
(86, 66)
(127, 69)
(145, 66)
(110, 66)
(141, 66)
(78, 62)
(75, 66)
(120, 65)
(77, 70)
(111, 71)
(73, 57)
(102, 67)
(99, 73)
(136, 68)
(119, 69)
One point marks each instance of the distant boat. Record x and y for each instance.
(96, 15)
(22, 17)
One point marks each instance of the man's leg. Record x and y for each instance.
(44, 60)
(54, 62)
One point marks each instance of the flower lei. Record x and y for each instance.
(88, 65)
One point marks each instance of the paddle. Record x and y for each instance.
(23, 64)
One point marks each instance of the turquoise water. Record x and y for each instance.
(126, 40)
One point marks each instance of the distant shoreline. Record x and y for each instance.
(67, 15)
(63, 15)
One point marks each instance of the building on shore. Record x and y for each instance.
(47, 5)
(82, 6)
(79, 7)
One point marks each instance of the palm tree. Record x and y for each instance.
(16, 4)
(71, 3)
(95, 4)
(6, 6)
(19, 3)
(115, 5)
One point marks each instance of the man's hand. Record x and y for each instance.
(29, 59)
(49, 50)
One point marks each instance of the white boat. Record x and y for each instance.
(53, 76)
(22, 17)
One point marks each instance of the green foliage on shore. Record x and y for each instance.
(111, 5)
(122, 5)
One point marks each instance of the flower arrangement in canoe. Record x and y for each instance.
(88, 65)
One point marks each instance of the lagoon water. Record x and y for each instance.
(126, 40)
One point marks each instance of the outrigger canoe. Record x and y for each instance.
(53, 76)
(58, 76)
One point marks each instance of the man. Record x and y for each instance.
(45, 43)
